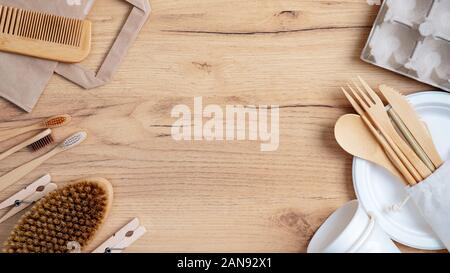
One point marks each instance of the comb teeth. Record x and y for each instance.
(40, 26)
(43, 142)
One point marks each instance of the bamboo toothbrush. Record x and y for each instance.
(53, 122)
(18, 173)
(35, 143)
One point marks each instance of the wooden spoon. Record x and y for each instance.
(353, 136)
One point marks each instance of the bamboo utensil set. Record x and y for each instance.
(39, 141)
(399, 132)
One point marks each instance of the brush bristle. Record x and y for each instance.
(67, 216)
(57, 121)
(74, 140)
(43, 142)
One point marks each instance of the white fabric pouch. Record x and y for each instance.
(432, 197)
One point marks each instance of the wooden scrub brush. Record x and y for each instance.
(67, 217)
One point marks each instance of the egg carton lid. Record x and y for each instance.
(412, 38)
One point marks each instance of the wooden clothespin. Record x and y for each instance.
(27, 196)
(123, 238)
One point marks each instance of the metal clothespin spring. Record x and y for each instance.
(18, 203)
(110, 250)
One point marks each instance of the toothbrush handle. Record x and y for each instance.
(9, 152)
(10, 133)
(18, 173)
(12, 151)
(24, 144)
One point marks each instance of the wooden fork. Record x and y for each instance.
(380, 138)
(375, 109)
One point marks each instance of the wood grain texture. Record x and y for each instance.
(215, 196)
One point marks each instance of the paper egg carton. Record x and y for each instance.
(412, 37)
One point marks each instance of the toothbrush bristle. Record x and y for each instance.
(57, 121)
(41, 143)
(74, 140)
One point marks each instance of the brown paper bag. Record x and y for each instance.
(23, 78)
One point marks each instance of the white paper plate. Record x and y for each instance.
(377, 189)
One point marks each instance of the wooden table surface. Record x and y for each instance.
(199, 196)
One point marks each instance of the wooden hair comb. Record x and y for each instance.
(44, 35)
